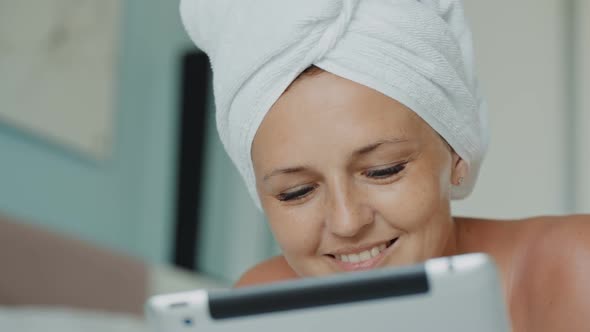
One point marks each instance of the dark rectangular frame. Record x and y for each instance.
(192, 133)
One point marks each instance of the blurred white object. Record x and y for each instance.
(44, 319)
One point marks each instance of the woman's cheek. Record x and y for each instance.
(299, 241)
(410, 206)
(296, 233)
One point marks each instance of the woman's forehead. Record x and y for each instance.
(324, 103)
(329, 113)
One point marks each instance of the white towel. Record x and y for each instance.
(418, 52)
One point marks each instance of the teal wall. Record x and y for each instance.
(126, 201)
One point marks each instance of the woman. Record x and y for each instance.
(354, 123)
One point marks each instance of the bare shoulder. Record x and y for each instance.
(269, 271)
(555, 273)
(523, 234)
(544, 263)
(556, 235)
(563, 237)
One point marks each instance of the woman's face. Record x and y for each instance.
(350, 179)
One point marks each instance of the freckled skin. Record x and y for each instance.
(336, 201)
(320, 130)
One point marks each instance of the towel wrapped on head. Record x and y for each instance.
(418, 52)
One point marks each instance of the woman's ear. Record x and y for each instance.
(459, 171)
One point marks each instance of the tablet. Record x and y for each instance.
(457, 293)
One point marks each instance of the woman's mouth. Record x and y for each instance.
(365, 259)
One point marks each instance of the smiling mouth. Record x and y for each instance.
(363, 256)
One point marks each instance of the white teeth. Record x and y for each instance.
(374, 252)
(354, 258)
(363, 256)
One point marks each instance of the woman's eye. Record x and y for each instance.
(383, 173)
(296, 194)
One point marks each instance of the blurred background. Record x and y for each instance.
(108, 144)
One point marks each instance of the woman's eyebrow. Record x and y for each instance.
(287, 170)
(368, 148)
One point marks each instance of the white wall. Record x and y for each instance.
(583, 103)
(521, 58)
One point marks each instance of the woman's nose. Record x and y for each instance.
(347, 213)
